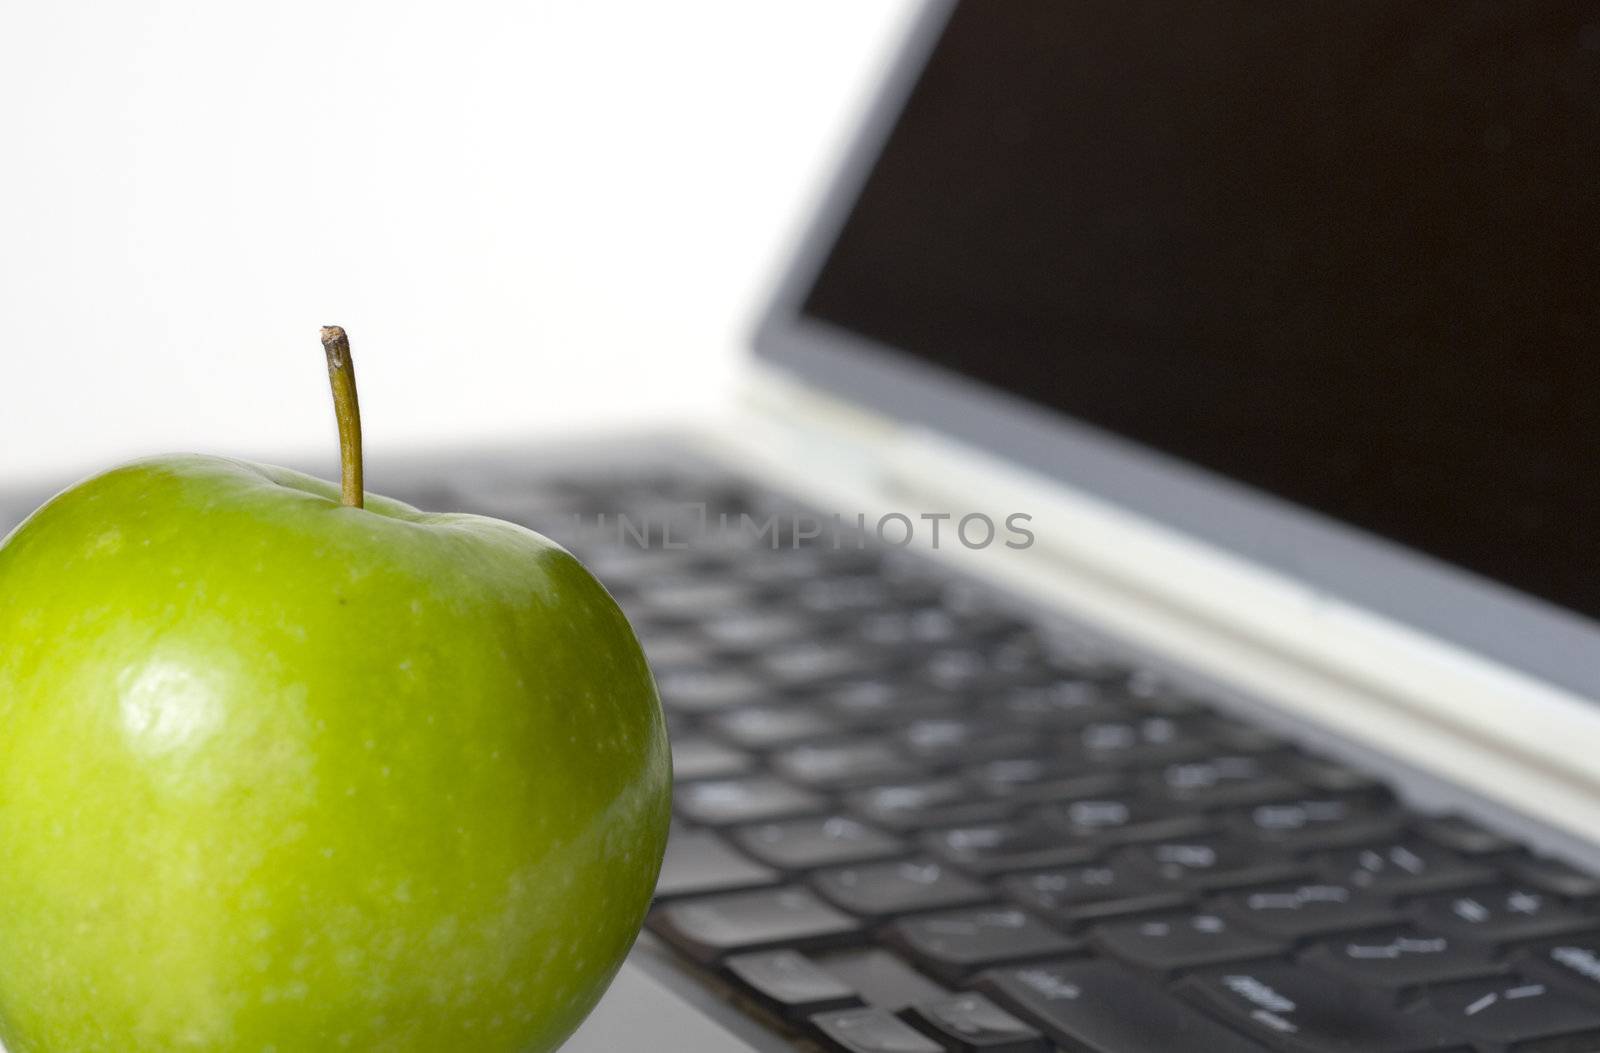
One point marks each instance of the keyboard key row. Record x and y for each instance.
(1298, 1011)
(906, 904)
(1097, 1005)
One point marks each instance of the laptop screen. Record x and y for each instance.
(1346, 254)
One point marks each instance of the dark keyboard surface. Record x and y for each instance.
(909, 820)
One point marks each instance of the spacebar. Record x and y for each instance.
(1103, 1008)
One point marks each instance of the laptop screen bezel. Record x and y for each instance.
(1471, 611)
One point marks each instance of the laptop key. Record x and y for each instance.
(1511, 1010)
(1075, 658)
(755, 630)
(1297, 911)
(1156, 692)
(908, 886)
(1400, 958)
(850, 593)
(1061, 705)
(882, 978)
(707, 928)
(697, 757)
(844, 765)
(1017, 844)
(1231, 780)
(873, 702)
(1140, 741)
(1001, 776)
(971, 1023)
(952, 944)
(1100, 1007)
(1587, 1043)
(1211, 864)
(870, 1031)
(911, 804)
(1125, 819)
(918, 803)
(1334, 778)
(698, 862)
(724, 802)
(1500, 915)
(962, 668)
(1237, 737)
(1404, 867)
(1298, 1010)
(1093, 891)
(965, 740)
(1554, 876)
(689, 597)
(672, 651)
(1309, 824)
(929, 625)
(1040, 780)
(812, 661)
(708, 690)
(789, 984)
(815, 841)
(1171, 942)
(1570, 962)
(1463, 835)
(770, 727)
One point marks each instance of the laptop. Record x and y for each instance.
(1144, 599)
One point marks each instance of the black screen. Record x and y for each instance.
(1347, 253)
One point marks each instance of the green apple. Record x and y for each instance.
(280, 773)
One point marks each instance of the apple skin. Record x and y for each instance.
(281, 775)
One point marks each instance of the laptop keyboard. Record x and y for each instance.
(908, 819)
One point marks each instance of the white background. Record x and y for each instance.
(532, 216)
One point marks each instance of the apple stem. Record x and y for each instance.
(342, 377)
